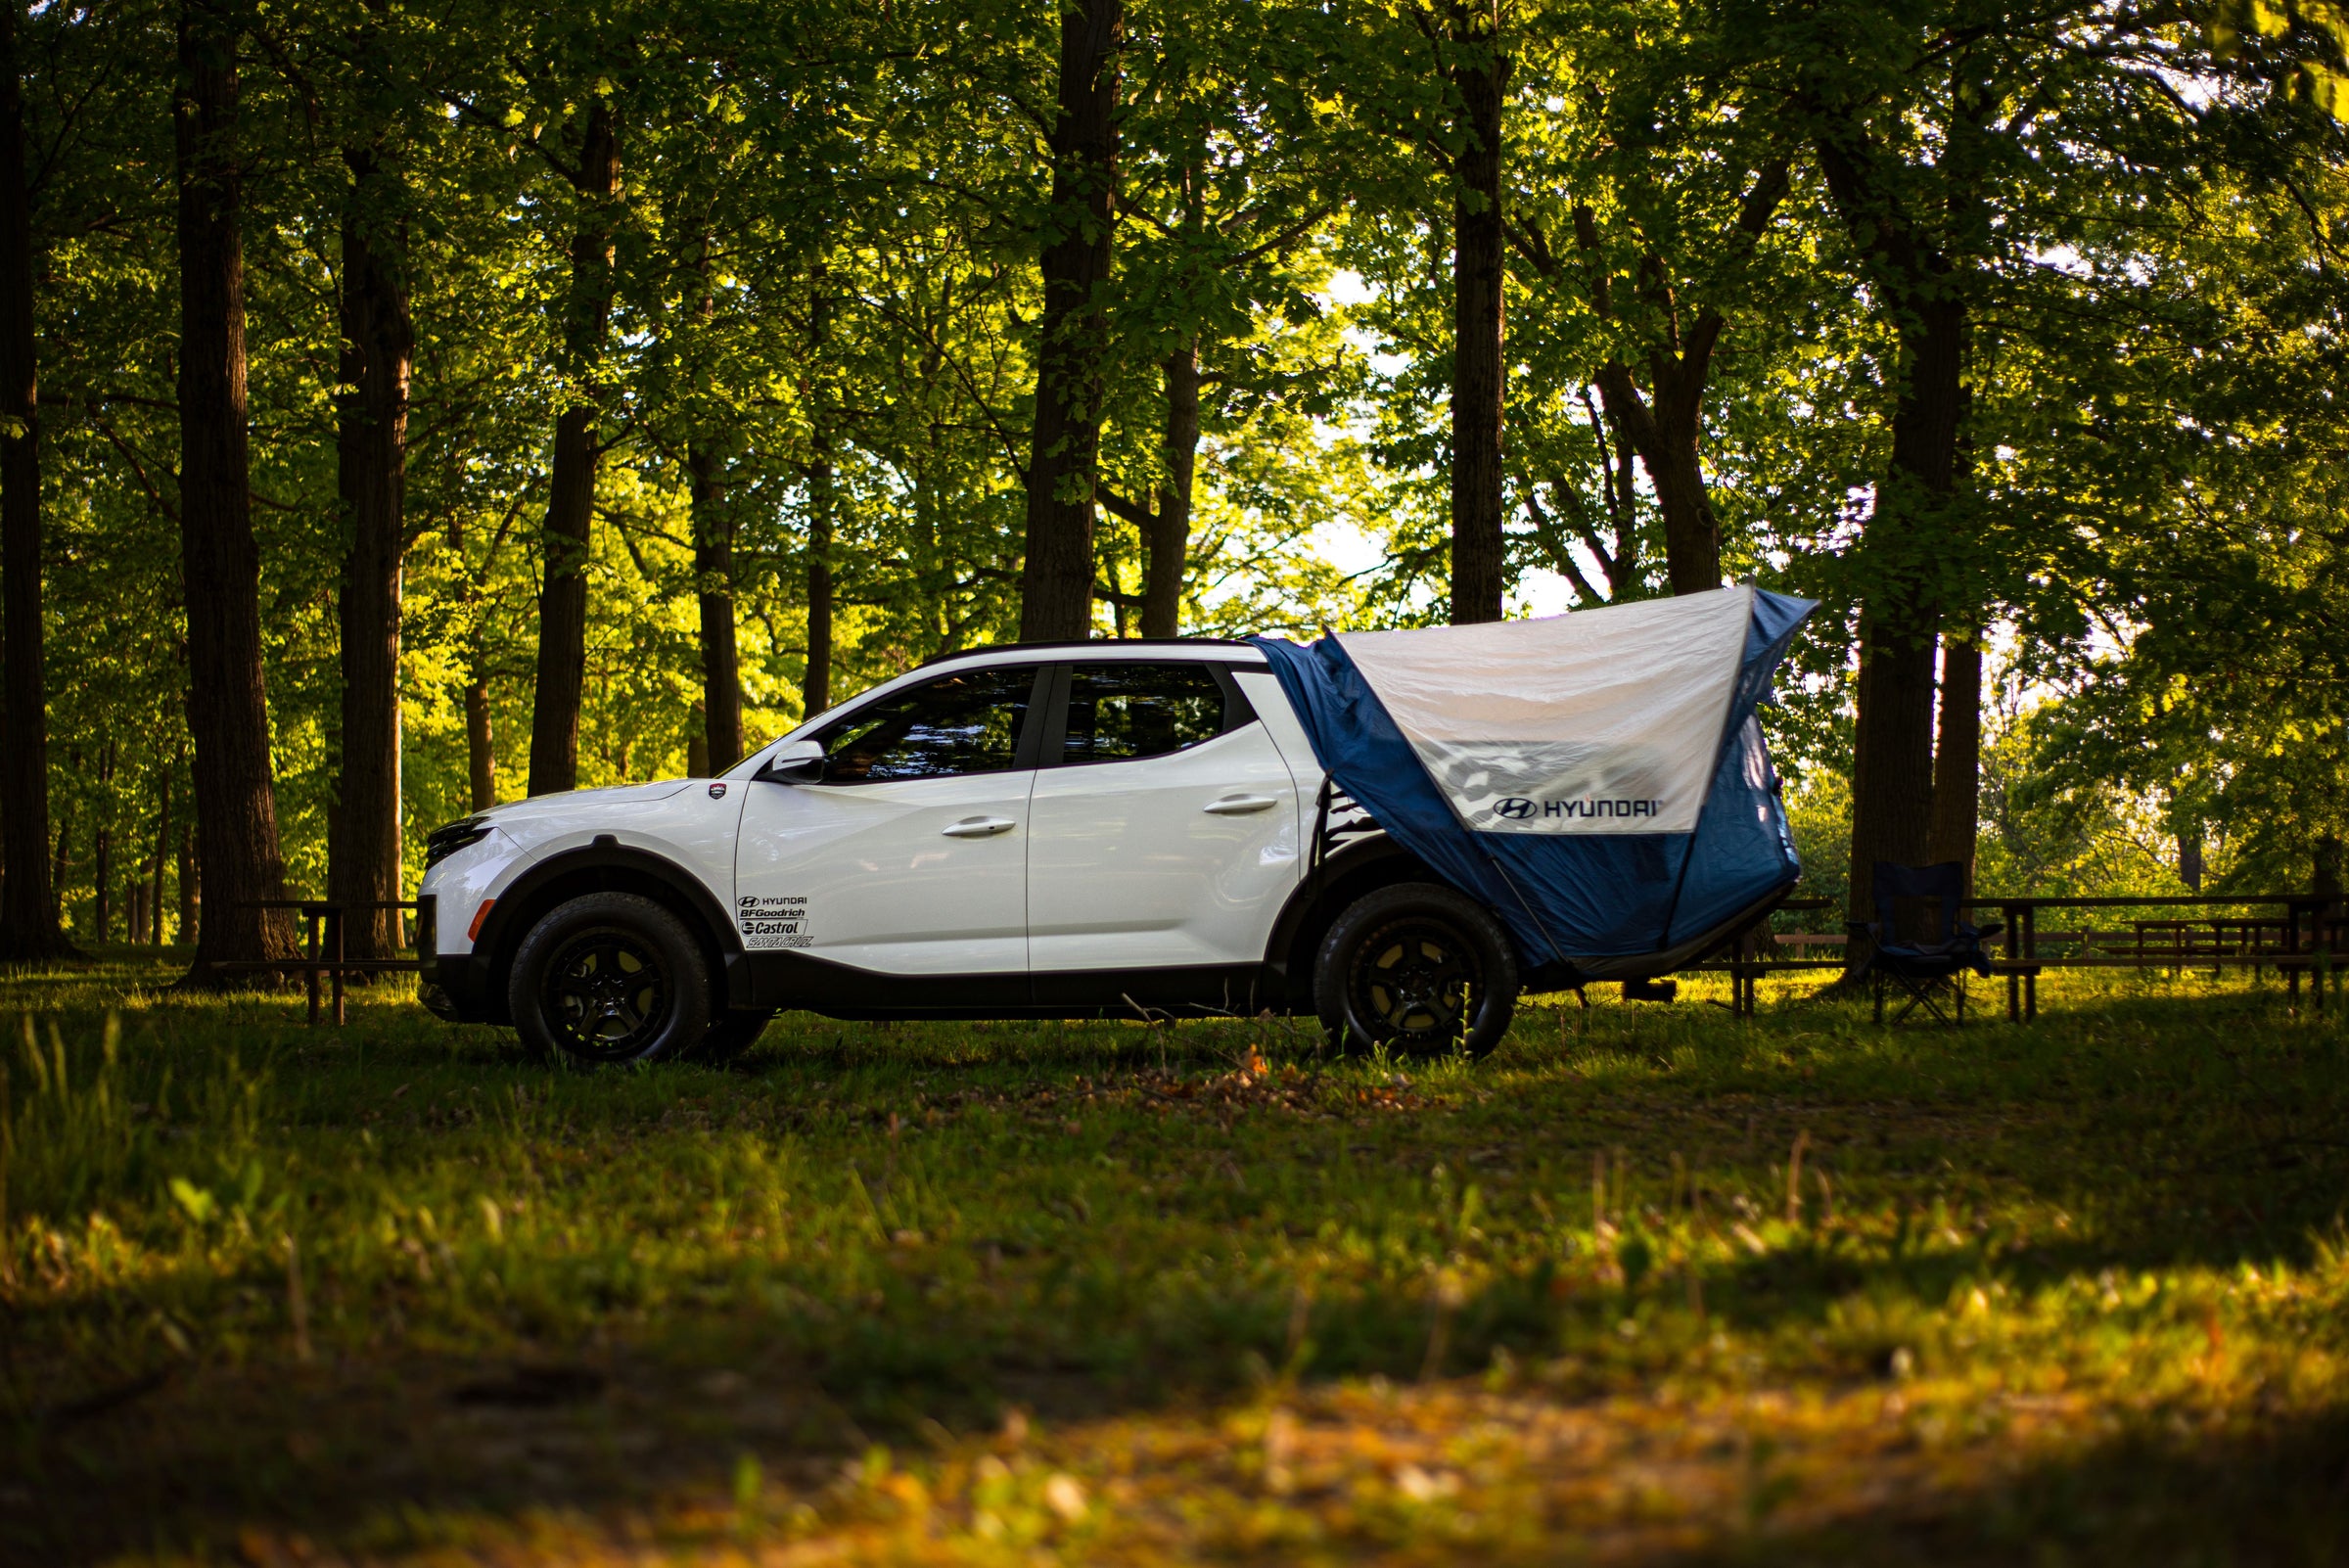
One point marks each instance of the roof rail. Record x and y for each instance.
(1099, 644)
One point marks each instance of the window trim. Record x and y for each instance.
(1053, 741)
(1026, 747)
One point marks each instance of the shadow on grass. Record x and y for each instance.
(2205, 1138)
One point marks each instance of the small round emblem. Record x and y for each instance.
(717, 792)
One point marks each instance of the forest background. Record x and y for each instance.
(408, 405)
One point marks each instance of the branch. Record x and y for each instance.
(1141, 517)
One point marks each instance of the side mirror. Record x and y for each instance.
(800, 763)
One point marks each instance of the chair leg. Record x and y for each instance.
(1880, 996)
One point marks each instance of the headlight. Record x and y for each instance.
(444, 841)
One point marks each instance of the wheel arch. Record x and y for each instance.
(1354, 869)
(608, 868)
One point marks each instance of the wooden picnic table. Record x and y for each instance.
(324, 955)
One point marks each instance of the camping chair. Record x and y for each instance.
(1919, 965)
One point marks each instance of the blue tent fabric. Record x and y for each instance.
(1605, 907)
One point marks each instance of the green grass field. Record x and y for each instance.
(1651, 1284)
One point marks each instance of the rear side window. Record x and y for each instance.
(966, 722)
(1119, 711)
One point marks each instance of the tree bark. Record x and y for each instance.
(570, 498)
(102, 852)
(228, 712)
(370, 453)
(713, 581)
(1922, 292)
(1057, 583)
(481, 760)
(1958, 754)
(162, 851)
(1478, 373)
(189, 889)
(1668, 433)
(28, 929)
(1170, 526)
(815, 685)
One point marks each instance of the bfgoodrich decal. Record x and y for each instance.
(773, 921)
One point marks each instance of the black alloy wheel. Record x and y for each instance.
(606, 995)
(610, 978)
(1415, 980)
(1416, 968)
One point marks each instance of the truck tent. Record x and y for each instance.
(1597, 778)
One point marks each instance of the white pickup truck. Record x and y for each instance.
(1046, 831)
(1127, 829)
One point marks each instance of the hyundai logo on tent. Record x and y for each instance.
(1599, 778)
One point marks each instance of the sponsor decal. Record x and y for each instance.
(717, 792)
(1517, 809)
(773, 921)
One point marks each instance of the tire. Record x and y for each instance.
(608, 978)
(1416, 968)
(731, 1035)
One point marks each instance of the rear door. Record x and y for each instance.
(910, 857)
(1163, 823)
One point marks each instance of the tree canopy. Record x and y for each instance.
(565, 396)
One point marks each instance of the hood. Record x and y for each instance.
(617, 795)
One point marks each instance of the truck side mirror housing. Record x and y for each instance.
(800, 763)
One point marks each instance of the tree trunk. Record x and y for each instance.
(228, 712)
(570, 498)
(1922, 294)
(1057, 576)
(1478, 566)
(191, 893)
(481, 761)
(64, 864)
(28, 929)
(1170, 530)
(815, 686)
(102, 852)
(162, 851)
(371, 452)
(1691, 534)
(1958, 754)
(714, 580)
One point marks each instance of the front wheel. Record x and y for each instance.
(611, 977)
(1417, 968)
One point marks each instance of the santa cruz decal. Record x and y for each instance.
(1517, 809)
(773, 921)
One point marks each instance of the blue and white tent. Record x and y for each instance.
(1599, 778)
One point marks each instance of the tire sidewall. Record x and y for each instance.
(685, 970)
(1473, 925)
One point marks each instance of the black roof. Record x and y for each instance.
(1095, 644)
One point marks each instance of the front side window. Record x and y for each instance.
(966, 722)
(1119, 711)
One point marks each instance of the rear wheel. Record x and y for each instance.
(1416, 968)
(611, 977)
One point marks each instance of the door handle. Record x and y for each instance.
(977, 827)
(1240, 804)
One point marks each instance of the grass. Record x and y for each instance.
(1652, 1285)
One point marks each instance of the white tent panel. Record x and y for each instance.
(1598, 721)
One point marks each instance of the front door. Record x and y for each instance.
(1164, 826)
(908, 857)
